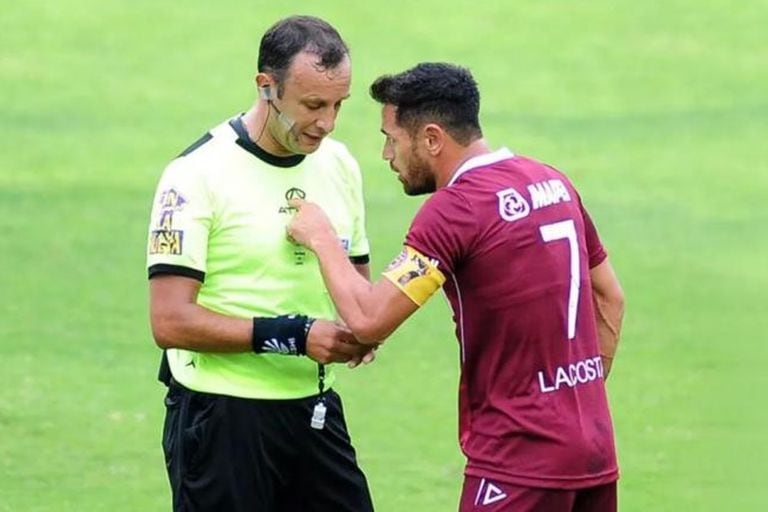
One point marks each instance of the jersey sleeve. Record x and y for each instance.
(359, 248)
(595, 249)
(443, 230)
(180, 223)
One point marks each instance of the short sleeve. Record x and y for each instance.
(180, 223)
(444, 229)
(595, 249)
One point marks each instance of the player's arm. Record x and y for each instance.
(608, 299)
(364, 270)
(372, 311)
(177, 321)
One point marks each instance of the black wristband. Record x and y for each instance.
(285, 335)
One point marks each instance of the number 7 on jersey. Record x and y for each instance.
(566, 230)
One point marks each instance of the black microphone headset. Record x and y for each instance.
(267, 93)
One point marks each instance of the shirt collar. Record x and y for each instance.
(245, 142)
(481, 161)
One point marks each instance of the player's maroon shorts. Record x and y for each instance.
(484, 495)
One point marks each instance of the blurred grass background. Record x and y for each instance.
(657, 111)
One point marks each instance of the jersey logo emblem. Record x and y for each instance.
(512, 205)
(299, 253)
(488, 493)
(295, 193)
(292, 193)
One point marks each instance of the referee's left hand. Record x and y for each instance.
(309, 224)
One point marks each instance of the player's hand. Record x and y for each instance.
(328, 342)
(366, 358)
(309, 224)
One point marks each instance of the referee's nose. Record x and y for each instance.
(327, 122)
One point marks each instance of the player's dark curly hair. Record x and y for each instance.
(433, 93)
(292, 35)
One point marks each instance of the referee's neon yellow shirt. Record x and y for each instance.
(219, 215)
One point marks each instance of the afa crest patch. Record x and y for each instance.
(165, 239)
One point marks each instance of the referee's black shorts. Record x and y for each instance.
(226, 454)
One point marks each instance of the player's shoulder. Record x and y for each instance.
(447, 195)
(538, 190)
(538, 168)
(444, 204)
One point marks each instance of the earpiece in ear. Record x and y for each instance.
(265, 92)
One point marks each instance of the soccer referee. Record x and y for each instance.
(252, 422)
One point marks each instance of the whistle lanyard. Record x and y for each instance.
(318, 413)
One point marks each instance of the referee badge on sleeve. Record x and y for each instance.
(164, 239)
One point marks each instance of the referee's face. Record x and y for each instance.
(310, 99)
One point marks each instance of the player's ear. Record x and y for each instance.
(434, 138)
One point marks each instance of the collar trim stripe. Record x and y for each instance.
(481, 161)
(245, 142)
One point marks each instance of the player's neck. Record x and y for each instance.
(456, 157)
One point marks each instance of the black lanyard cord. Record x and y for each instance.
(321, 378)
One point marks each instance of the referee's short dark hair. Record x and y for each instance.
(295, 34)
(433, 92)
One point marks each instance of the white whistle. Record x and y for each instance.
(318, 416)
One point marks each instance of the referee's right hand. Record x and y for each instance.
(329, 342)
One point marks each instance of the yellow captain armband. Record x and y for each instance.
(415, 274)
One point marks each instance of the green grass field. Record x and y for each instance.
(657, 110)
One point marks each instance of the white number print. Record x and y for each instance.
(566, 230)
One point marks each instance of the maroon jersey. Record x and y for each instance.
(516, 246)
